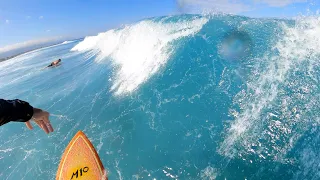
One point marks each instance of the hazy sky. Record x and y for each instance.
(32, 20)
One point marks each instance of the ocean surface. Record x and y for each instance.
(177, 97)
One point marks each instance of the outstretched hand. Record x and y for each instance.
(41, 118)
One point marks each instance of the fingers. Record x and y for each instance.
(47, 123)
(28, 124)
(42, 119)
(50, 127)
(47, 126)
(43, 126)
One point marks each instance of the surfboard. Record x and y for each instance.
(80, 161)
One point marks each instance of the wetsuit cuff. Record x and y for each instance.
(27, 112)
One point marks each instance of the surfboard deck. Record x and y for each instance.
(80, 161)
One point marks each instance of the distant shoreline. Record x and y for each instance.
(13, 56)
(10, 57)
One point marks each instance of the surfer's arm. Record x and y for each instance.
(15, 110)
(21, 111)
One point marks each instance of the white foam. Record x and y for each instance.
(138, 51)
(209, 173)
(67, 42)
(298, 47)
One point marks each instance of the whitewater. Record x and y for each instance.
(175, 97)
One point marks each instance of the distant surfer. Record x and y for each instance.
(21, 111)
(55, 63)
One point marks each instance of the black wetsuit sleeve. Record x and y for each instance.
(15, 110)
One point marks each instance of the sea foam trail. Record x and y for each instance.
(276, 106)
(139, 50)
(67, 42)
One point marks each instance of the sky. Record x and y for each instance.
(28, 22)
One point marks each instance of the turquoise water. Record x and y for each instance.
(179, 97)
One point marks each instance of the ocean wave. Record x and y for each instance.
(138, 51)
(188, 96)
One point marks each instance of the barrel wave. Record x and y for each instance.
(175, 97)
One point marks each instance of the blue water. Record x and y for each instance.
(179, 97)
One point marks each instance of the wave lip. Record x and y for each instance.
(138, 51)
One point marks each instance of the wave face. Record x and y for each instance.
(177, 97)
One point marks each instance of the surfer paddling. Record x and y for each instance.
(55, 63)
(21, 111)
